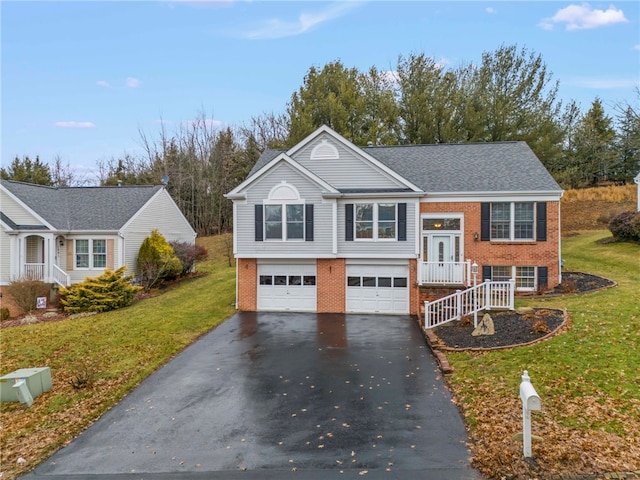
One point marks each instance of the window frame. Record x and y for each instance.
(92, 253)
(515, 272)
(509, 229)
(376, 222)
(285, 223)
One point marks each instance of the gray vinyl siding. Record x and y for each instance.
(309, 191)
(347, 171)
(16, 212)
(378, 248)
(159, 213)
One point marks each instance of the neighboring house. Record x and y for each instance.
(63, 235)
(327, 226)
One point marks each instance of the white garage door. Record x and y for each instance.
(287, 287)
(378, 288)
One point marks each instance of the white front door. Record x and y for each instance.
(287, 287)
(440, 255)
(378, 289)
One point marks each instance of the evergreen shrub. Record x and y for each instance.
(157, 261)
(109, 291)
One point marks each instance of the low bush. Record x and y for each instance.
(24, 293)
(189, 254)
(109, 291)
(5, 314)
(626, 226)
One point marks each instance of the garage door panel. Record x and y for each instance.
(287, 287)
(378, 288)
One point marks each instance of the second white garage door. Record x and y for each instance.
(290, 287)
(378, 288)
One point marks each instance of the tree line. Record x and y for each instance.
(510, 95)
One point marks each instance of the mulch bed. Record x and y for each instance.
(513, 328)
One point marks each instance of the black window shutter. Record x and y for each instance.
(486, 273)
(308, 220)
(402, 222)
(543, 277)
(541, 221)
(485, 222)
(258, 222)
(348, 222)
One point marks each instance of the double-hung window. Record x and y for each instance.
(512, 221)
(284, 222)
(527, 278)
(375, 221)
(91, 253)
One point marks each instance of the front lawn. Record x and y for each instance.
(113, 352)
(588, 378)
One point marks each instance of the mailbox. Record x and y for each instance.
(530, 401)
(529, 397)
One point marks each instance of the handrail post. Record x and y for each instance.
(427, 314)
(512, 293)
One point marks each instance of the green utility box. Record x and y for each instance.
(38, 381)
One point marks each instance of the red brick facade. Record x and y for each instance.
(501, 253)
(331, 275)
(247, 278)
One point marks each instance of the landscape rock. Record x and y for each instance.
(485, 327)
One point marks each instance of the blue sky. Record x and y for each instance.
(80, 80)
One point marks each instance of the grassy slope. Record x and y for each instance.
(120, 348)
(588, 377)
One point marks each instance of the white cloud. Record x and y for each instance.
(277, 28)
(579, 17)
(75, 124)
(636, 47)
(490, 10)
(103, 83)
(132, 82)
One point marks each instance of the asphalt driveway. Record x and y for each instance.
(273, 395)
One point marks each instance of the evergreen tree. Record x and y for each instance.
(28, 171)
(594, 154)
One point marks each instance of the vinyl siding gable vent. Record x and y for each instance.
(324, 151)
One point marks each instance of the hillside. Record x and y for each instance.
(592, 208)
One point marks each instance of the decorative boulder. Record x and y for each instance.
(485, 327)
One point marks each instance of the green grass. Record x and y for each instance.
(117, 349)
(597, 357)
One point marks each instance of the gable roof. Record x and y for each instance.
(83, 208)
(471, 167)
(451, 168)
(279, 157)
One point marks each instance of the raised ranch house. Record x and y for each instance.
(328, 226)
(63, 235)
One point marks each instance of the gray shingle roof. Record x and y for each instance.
(471, 167)
(451, 168)
(83, 208)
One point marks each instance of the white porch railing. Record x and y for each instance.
(61, 277)
(486, 296)
(444, 273)
(34, 271)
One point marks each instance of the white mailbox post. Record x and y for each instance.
(530, 401)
